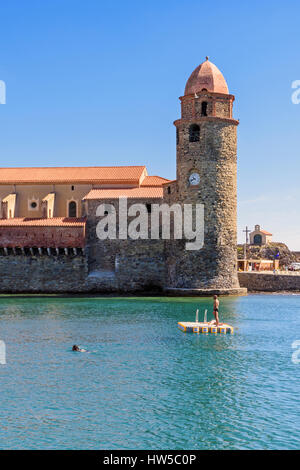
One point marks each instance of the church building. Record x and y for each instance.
(260, 236)
(48, 216)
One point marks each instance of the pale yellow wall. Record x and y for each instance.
(63, 195)
(265, 238)
(9, 206)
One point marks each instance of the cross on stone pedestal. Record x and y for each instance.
(247, 231)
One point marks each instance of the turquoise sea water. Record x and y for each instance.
(145, 384)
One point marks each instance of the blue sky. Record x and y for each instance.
(97, 83)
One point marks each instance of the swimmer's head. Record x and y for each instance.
(75, 348)
(215, 297)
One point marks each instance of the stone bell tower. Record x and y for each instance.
(206, 144)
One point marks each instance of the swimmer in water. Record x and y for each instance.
(77, 348)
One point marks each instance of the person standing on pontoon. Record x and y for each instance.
(216, 311)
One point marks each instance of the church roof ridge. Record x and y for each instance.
(51, 175)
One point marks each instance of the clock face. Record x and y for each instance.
(194, 179)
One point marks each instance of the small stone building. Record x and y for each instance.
(260, 237)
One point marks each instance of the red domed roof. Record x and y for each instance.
(208, 77)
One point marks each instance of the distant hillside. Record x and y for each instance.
(286, 257)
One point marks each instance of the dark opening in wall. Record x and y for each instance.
(204, 108)
(72, 209)
(148, 206)
(194, 133)
(257, 240)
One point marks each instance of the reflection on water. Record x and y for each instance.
(144, 384)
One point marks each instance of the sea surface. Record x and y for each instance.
(144, 384)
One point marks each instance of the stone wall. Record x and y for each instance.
(218, 105)
(42, 236)
(43, 274)
(269, 282)
(123, 265)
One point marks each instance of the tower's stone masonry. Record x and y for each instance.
(206, 141)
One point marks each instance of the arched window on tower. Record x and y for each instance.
(194, 132)
(204, 108)
(72, 209)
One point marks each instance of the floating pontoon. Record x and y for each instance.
(204, 327)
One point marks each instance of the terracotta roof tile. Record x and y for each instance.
(134, 193)
(265, 232)
(100, 174)
(206, 76)
(154, 181)
(169, 182)
(53, 222)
